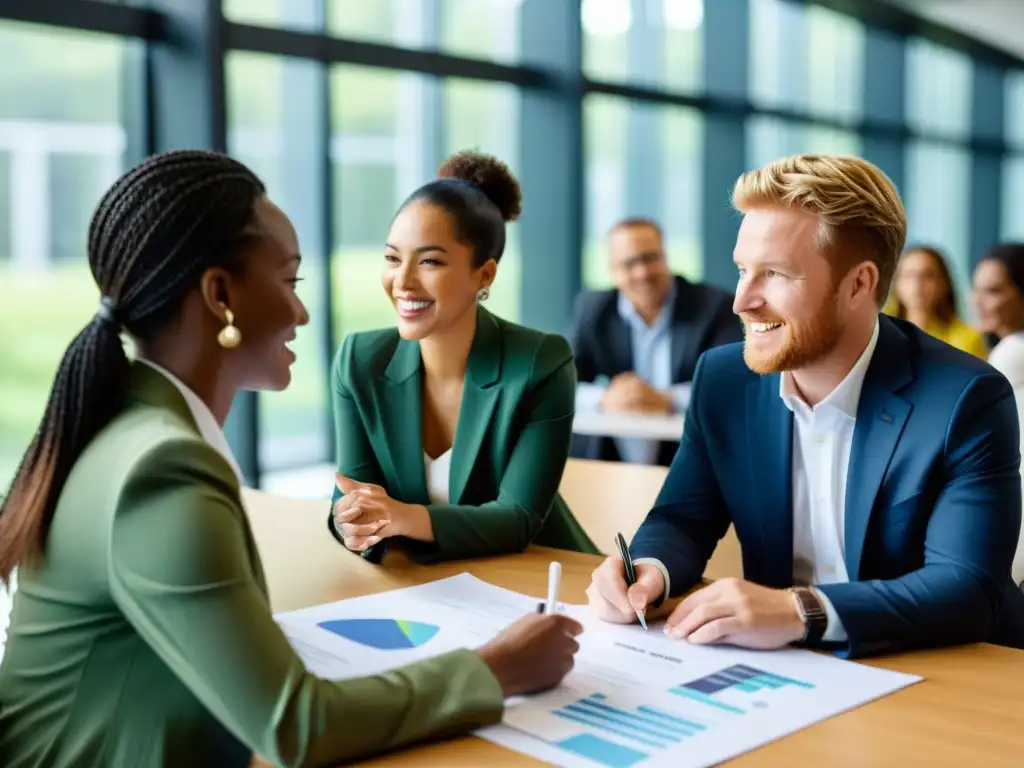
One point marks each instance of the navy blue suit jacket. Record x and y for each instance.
(933, 498)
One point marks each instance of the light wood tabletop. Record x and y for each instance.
(967, 710)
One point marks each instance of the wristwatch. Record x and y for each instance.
(813, 614)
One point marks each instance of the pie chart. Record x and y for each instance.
(382, 634)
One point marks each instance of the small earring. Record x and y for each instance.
(482, 294)
(229, 336)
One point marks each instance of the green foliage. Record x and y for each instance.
(51, 74)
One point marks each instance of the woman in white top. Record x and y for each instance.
(999, 305)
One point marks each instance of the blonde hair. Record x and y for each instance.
(862, 216)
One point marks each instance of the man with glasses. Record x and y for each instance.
(637, 345)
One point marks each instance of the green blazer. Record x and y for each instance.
(145, 638)
(511, 441)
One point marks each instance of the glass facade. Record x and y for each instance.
(63, 140)
(604, 109)
(1012, 218)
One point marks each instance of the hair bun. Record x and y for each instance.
(491, 175)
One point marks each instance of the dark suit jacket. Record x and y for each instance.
(702, 318)
(933, 497)
(511, 441)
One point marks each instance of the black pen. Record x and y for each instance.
(627, 560)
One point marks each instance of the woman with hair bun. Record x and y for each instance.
(453, 429)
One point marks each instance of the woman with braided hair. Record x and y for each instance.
(141, 633)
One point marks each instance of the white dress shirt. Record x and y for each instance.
(438, 472)
(209, 430)
(822, 442)
(205, 421)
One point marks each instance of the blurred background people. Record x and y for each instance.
(999, 302)
(637, 345)
(924, 294)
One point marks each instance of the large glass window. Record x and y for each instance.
(938, 204)
(1011, 222)
(484, 29)
(655, 43)
(62, 143)
(485, 117)
(642, 160)
(938, 175)
(938, 90)
(382, 125)
(1014, 111)
(272, 119)
(1012, 218)
(769, 138)
(805, 58)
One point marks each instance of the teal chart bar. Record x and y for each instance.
(647, 728)
(738, 677)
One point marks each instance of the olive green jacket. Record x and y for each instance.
(511, 441)
(145, 637)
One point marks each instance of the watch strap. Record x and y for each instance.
(813, 613)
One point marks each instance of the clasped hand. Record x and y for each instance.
(365, 515)
(731, 611)
(628, 393)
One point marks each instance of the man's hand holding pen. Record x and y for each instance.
(612, 600)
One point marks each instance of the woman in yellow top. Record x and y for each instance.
(923, 293)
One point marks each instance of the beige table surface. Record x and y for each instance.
(968, 711)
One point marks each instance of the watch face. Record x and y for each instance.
(810, 605)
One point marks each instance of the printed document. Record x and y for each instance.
(634, 698)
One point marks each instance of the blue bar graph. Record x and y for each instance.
(607, 731)
(739, 677)
(601, 751)
(703, 698)
(743, 678)
(648, 728)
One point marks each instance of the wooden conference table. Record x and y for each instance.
(966, 711)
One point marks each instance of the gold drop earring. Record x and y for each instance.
(229, 336)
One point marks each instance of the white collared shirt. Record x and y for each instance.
(207, 425)
(822, 443)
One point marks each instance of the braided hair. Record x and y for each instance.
(154, 233)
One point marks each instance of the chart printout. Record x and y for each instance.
(634, 698)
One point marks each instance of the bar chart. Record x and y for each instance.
(620, 729)
(606, 727)
(735, 688)
(638, 700)
(679, 719)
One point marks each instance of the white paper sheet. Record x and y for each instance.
(368, 638)
(635, 698)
